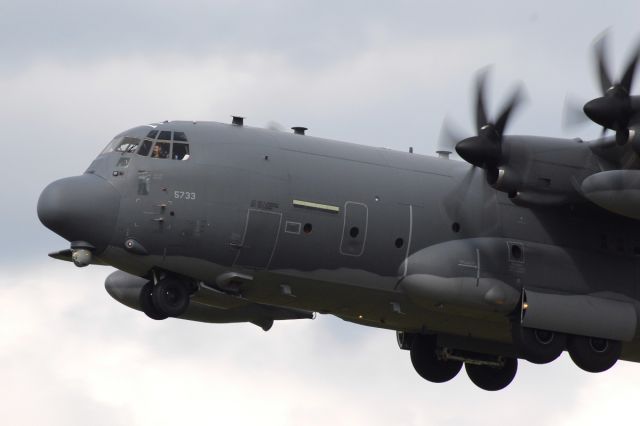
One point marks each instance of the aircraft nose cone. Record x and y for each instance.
(80, 208)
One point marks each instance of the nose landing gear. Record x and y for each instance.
(168, 298)
(146, 303)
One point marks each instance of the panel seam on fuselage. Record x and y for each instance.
(406, 256)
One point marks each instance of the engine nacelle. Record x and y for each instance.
(505, 179)
(542, 171)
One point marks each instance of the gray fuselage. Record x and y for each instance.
(374, 236)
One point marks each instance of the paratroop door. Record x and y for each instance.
(260, 239)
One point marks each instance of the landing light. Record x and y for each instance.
(525, 305)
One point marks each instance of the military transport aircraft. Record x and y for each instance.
(529, 248)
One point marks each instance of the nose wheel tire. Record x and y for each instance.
(538, 346)
(170, 297)
(592, 354)
(492, 378)
(146, 303)
(427, 363)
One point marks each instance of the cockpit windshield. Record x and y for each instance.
(145, 148)
(180, 151)
(165, 144)
(161, 150)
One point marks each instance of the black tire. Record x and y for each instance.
(427, 364)
(538, 346)
(592, 354)
(146, 303)
(170, 297)
(492, 378)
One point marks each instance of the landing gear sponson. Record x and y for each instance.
(169, 297)
(440, 364)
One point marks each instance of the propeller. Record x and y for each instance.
(449, 136)
(456, 199)
(485, 149)
(572, 112)
(614, 109)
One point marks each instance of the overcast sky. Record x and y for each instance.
(74, 73)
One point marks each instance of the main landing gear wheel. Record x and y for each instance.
(492, 378)
(427, 363)
(538, 346)
(170, 297)
(592, 354)
(146, 303)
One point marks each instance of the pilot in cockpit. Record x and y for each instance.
(160, 151)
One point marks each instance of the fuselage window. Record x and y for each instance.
(179, 136)
(145, 148)
(152, 134)
(161, 150)
(165, 135)
(126, 145)
(180, 151)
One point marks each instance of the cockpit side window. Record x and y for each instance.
(152, 134)
(179, 136)
(180, 151)
(161, 150)
(145, 148)
(123, 144)
(127, 145)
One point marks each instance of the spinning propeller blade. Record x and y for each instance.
(572, 113)
(485, 149)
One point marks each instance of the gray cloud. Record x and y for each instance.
(310, 33)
